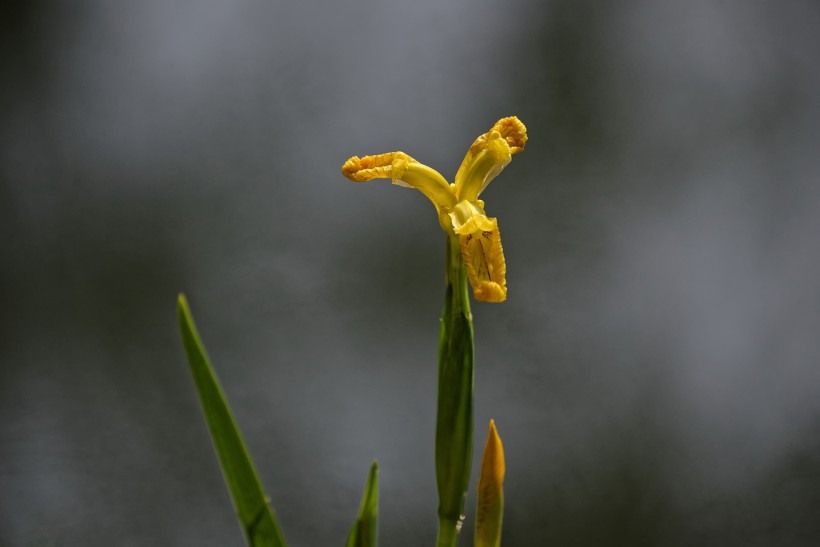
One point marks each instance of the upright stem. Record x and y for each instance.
(454, 422)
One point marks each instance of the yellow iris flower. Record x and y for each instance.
(461, 213)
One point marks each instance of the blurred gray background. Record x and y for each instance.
(654, 374)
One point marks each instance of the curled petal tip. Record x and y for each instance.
(513, 131)
(488, 155)
(352, 167)
(373, 167)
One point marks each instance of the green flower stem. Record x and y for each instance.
(454, 423)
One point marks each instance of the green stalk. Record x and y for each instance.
(454, 422)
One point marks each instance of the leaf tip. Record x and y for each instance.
(182, 303)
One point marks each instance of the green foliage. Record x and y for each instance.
(365, 530)
(252, 507)
(454, 427)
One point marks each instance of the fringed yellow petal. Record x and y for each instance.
(488, 155)
(484, 261)
(490, 511)
(403, 171)
(372, 167)
(513, 131)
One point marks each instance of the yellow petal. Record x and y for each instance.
(513, 131)
(371, 167)
(488, 155)
(484, 259)
(482, 167)
(403, 171)
(469, 217)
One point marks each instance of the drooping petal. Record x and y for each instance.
(403, 171)
(488, 156)
(481, 250)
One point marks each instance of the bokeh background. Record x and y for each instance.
(655, 373)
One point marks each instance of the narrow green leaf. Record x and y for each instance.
(490, 510)
(252, 506)
(454, 421)
(366, 528)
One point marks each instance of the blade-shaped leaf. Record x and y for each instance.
(365, 530)
(252, 507)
